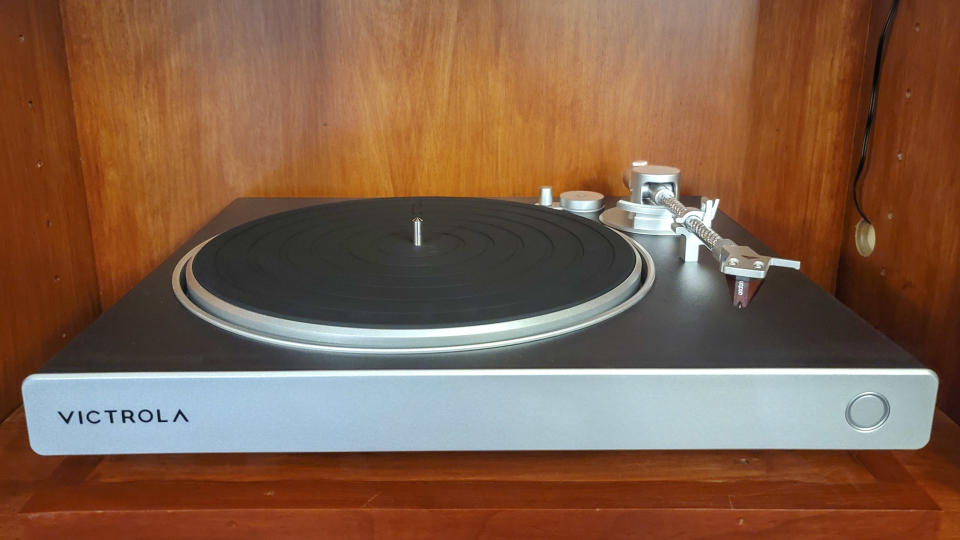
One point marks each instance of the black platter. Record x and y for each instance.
(348, 275)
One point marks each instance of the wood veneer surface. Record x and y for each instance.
(48, 287)
(183, 106)
(803, 494)
(908, 287)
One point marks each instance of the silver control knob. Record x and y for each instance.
(581, 201)
(546, 196)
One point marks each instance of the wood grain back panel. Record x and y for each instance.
(908, 287)
(182, 106)
(803, 112)
(48, 287)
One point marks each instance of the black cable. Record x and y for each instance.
(873, 108)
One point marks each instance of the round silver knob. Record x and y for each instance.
(546, 196)
(581, 201)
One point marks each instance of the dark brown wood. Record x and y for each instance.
(182, 106)
(937, 468)
(802, 111)
(808, 494)
(48, 287)
(908, 287)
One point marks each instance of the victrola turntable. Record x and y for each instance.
(435, 323)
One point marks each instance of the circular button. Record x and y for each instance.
(581, 201)
(868, 411)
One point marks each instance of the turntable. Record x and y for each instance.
(430, 323)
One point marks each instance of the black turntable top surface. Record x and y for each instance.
(686, 321)
(354, 263)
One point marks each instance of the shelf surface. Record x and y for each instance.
(484, 495)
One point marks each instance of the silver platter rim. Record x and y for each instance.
(365, 340)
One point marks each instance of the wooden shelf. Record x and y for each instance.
(483, 495)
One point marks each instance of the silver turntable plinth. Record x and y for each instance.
(680, 368)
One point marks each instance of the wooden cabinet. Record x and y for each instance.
(808, 494)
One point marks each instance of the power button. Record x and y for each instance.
(868, 411)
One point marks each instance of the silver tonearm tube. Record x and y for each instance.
(741, 263)
(653, 208)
